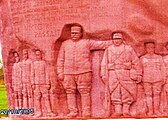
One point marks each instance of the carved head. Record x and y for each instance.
(38, 54)
(117, 37)
(25, 54)
(66, 31)
(76, 32)
(149, 46)
(11, 59)
(17, 58)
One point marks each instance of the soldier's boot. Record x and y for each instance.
(20, 100)
(37, 107)
(48, 107)
(86, 105)
(126, 111)
(16, 101)
(157, 105)
(72, 106)
(117, 110)
(31, 102)
(149, 105)
(25, 101)
(55, 103)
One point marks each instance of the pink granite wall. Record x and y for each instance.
(38, 23)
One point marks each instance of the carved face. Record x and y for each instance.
(38, 55)
(117, 39)
(150, 48)
(25, 54)
(17, 59)
(76, 33)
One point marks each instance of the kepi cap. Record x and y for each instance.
(75, 29)
(117, 36)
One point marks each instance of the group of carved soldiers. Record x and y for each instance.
(30, 83)
(121, 71)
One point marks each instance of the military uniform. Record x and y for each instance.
(119, 66)
(26, 76)
(42, 85)
(74, 63)
(165, 58)
(17, 84)
(153, 79)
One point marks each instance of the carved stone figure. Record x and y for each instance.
(41, 86)
(118, 71)
(165, 58)
(74, 69)
(17, 82)
(10, 62)
(26, 76)
(153, 78)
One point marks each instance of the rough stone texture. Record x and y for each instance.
(37, 24)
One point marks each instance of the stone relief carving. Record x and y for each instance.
(75, 87)
(153, 78)
(119, 75)
(10, 62)
(74, 69)
(26, 76)
(41, 85)
(124, 74)
(17, 82)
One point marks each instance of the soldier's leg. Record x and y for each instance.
(16, 105)
(166, 90)
(127, 100)
(54, 99)
(10, 96)
(70, 88)
(116, 101)
(37, 101)
(84, 88)
(20, 99)
(149, 100)
(30, 96)
(157, 87)
(47, 104)
(25, 97)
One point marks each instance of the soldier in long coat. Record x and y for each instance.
(118, 71)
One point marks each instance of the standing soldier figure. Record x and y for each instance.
(41, 86)
(74, 69)
(10, 62)
(153, 78)
(17, 82)
(118, 71)
(165, 58)
(26, 76)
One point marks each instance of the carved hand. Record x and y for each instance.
(104, 78)
(48, 86)
(127, 65)
(164, 81)
(139, 79)
(61, 77)
(33, 87)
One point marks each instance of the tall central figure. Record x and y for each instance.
(74, 68)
